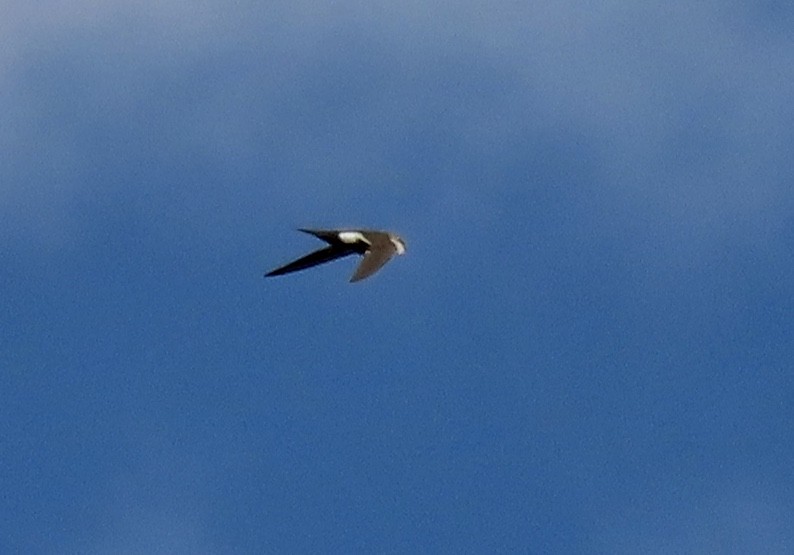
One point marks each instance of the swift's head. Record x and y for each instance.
(397, 241)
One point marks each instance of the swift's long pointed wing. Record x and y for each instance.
(330, 236)
(374, 259)
(313, 259)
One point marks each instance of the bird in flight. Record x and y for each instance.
(377, 248)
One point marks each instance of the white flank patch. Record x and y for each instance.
(351, 237)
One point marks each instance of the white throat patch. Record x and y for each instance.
(398, 244)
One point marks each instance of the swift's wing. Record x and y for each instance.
(374, 259)
(317, 257)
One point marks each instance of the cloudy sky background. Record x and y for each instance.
(587, 348)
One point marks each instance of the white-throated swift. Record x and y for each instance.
(377, 248)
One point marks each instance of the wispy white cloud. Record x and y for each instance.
(683, 107)
(154, 504)
(740, 519)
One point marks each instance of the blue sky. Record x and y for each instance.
(586, 349)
